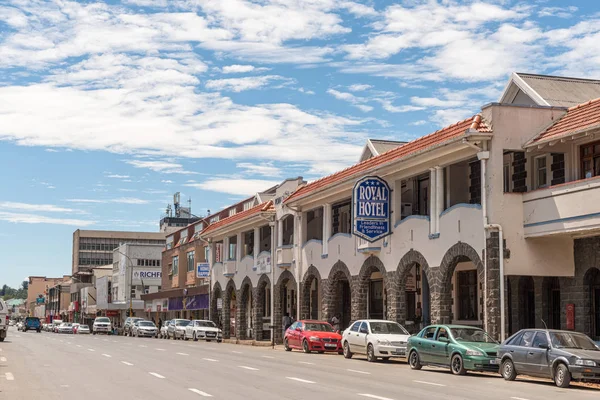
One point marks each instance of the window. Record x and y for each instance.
(514, 341)
(176, 265)
(590, 160)
(526, 339)
(214, 219)
(507, 178)
(442, 334)
(541, 172)
(364, 328)
(341, 218)
(540, 340)
(231, 212)
(429, 333)
(354, 328)
(190, 261)
(248, 243)
(247, 205)
(232, 248)
(146, 289)
(467, 295)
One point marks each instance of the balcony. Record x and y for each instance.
(566, 209)
(229, 268)
(366, 247)
(285, 256)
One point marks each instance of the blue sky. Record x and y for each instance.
(107, 108)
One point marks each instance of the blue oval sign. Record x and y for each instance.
(371, 208)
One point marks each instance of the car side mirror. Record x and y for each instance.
(544, 346)
(298, 330)
(443, 339)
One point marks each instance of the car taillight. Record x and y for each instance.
(7, 319)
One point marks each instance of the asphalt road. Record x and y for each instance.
(51, 366)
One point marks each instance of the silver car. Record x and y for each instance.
(164, 334)
(176, 328)
(83, 330)
(144, 329)
(65, 327)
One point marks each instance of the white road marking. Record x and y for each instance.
(64, 386)
(249, 368)
(143, 345)
(78, 345)
(160, 349)
(106, 340)
(429, 383)
(237, 352)
(372, 396)
(358, 372)
(68, 342)
(126, 363)
(298, 379)
(210, 359)
(201, 393)
(2, 359)
(114, 341)
(17, 336)
(267, 357)
(305, 362)
(9, 376)
(518, 398)
(107, 355)
(91, 350)
(183, 354)
(156, 375)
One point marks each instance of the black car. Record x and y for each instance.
(548, 353)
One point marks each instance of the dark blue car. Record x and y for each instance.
(32, 323)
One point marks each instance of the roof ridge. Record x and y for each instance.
(583, 104)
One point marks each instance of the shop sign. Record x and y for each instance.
(411, 280)
(158, 307)
(202, 270)
(147, 274)
(371, 208)
(571, 317)
(219, 303)
(219, 252)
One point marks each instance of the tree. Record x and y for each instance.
(8, 293)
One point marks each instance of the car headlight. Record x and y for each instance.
(315, 339)
(587, 363)
(474, 353)
(384, 342)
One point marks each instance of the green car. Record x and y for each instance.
(462, 348)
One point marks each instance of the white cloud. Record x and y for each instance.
(86, 201)
(51, 151)
(36, 207)
(306, 91)
(241, 187)
(167, 181)
(359, 10)
(120, 200)
(389, 106)
(559, 12)
(162, 166)
(20, 218)
(117, 176)
(264, 169)
(359, 87)
(352, 99)
(418, 123)
(238, 69)
(245, 83)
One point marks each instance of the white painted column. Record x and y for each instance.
(280, 232)
(439, 191)
(238, 250)
(394, 202)
(225, 254)
(326, 227)
(432, 200)
(256, 248)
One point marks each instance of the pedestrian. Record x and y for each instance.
(159, 324)
(286, 322)
(335, 321)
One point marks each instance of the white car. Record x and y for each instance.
(83, 330)
(144, 328)
(375, 338)
(101, 325)
(176, 328)
(4, 318)
(65, 327)
(203, 330)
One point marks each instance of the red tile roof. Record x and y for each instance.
(577, 119)
(267, 206)
(423, 143)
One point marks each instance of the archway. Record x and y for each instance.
(592, 306)
(526, 302)
(551, 302)
(244, 322)
(414, 300)
(461, 276)
(312, 294)
(262, 308)
(338, 294)
(216, 305)
(371, 295)
(285, 301)
(229, 310)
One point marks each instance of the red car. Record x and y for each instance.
(312, 336)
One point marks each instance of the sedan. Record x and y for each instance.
(83, 330)
(65, 327)
(554, 354)
(163, 334)
(312, 336)
(203, 330)
(375, 338)
(144, 329)
(176, 328)
(462, 348)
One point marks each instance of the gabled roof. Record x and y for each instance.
(266, 207)
(578, 119)
(546, 90)
(375, 147)
(418, 145)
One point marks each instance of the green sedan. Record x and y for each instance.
(462, 348)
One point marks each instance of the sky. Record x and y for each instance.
(108, 108)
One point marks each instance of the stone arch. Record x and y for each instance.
(280, 301)
(215, 315)
(412, 259)
(311, 275)
(261, 308)
(361, 290)
(241, 319)
(337, 292)
(460, 252)
(230, 292)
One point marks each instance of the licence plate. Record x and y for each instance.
(401, 351)
(331, 345)
(494, 361)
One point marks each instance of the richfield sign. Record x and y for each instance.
(371, 208)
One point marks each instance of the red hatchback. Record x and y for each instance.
(312, 336)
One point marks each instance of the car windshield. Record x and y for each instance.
(388, 328)
(317, 327)
(84, 327)
(102, 320)
(182, 323)
(206, 324)
(569, 340)
(146, 323)
(474, 335)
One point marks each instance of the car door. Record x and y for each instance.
(361, 341)
(354, 338)
(440, 347)
(292, 334)
(537, 356)
(351, 332)
(424, 344)
(519, 352)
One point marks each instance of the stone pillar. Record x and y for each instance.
(277, 314)
(395, 310)
(257, 314)
(326, 227)
(513, 281)
(475, 182)
(226, 314)
(327, 308)
(240, 315)
(492, 253)
(538, 290)
(358, 299)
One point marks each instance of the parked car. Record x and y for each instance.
(163, 334)
(176, 328)
(462, 348)
(203, 330)
(128, 325)
(20, 325)
(375, 338)
(101, 325)
(554, 354)
(310, 336)
(144, 328)
(4, 318)
(65, 327)
(56, 324)
(83, 330)
(32, 324)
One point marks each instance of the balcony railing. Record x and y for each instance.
(229, 268)
(285, 256)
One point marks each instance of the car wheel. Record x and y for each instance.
(195, 337)
(508, 370)
(305, 347)
(286, 345)
(414, 360)
(456, 365)
(347, 352)
(1, 339)
(321, 352)
(371, 353)
(385, 359)
(562, 376)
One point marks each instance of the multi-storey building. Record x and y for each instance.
(59, 299)
(36, 294)
(493, 223)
